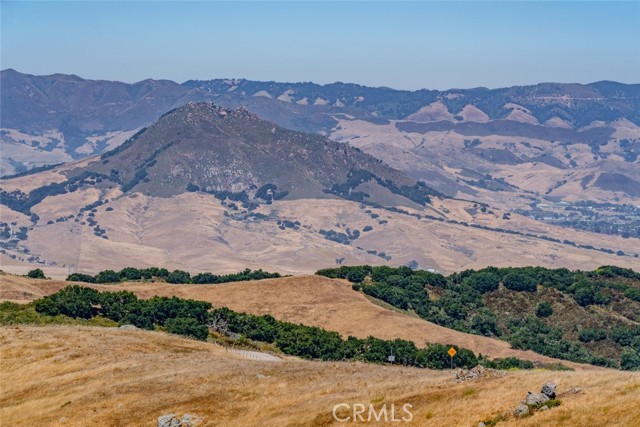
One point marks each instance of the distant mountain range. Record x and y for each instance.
(48, 119)
(212, 188)
(564, 154)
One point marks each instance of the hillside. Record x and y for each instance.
(87, 385)
(310, 300)
(564, 154)
(206, 187)
(584, 316)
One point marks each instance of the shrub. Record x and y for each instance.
(544, 309)
(632, 293)
(591, 334)
(630, 360)
(36, 274)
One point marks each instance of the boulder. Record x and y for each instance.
(128, 327)
(168, 420)
(549, 389)
(536, 399)
(172, 420)
(522, 410)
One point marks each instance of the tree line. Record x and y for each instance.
(129, 274)
(193, 319)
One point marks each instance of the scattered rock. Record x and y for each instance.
(536, 399)
(475, 373)
(169, 420)
(549, 389)
(481, 424)
(522, 410)
(172, 420)
(261, 377)
(128, 327)
(544, 408)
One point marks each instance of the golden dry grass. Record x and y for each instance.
(191, 232)
(109, 377)
(311, 300)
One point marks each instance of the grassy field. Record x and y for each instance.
(90, 376)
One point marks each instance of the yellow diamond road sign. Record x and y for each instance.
(452, 352)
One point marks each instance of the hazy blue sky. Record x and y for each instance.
(403, 45)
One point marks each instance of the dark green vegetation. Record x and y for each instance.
(81, 305)
(36, 274)
(590, 317)
(316, 343)
(129, 274)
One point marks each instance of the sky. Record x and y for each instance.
(403, 45)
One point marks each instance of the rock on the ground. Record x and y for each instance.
(128, 327)
(172, 420)
(168, 420)
(522, 410)
(536, 399)
(549, 389)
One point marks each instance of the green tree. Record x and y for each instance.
(108, 276)
(483, 281)
(36, 274)
(72, 301)
(519, 281)
(544, 309)
(484, 323)
(188, 327)
(179, 277)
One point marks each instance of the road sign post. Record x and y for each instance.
(452, 352)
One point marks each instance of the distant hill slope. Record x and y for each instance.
(45, 115)
(211, 188)
(204, 147)
(67, 365)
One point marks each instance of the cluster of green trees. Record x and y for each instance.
(316, 343)
(191, 318)
(459, 301)
(176, 315)
(176, 276)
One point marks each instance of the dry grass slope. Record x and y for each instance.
(79, 376)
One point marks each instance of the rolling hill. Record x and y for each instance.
(98, 376)
(310, 300)
(219, 386)
(565, 154)
(211, 188)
